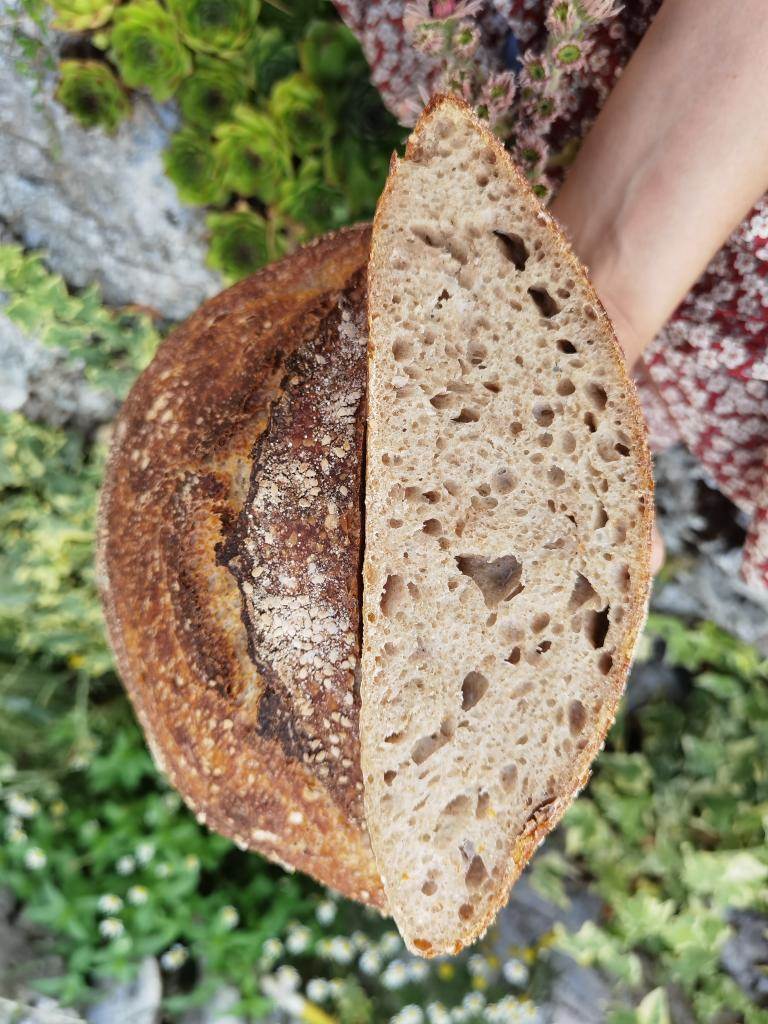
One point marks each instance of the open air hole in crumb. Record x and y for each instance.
(546, 305)
(495, 578)
(513, 248)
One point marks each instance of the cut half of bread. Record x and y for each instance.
(507, 531)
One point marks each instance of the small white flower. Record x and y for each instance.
(336, 987)
(271, 950)
(111, 927)
(288, 978)
(408, 1015)
(318, 990)
(390, 943)
(162, 870)
(126, 865)
(479, 967)
(326, 912)
(341, 950)
(22, 806)
(437, 1014)
(298, 939)
(145, 852)
(58, 808)
(172, 801)
(395, 975)
(229, 916)
(16, 835)
(417, 970)
(370, 961)
(515, 972)
(175, 957)
(473, 1003)
(35, 859)
(109, 903)
(191, 862)
(138, 895)
(360, 941)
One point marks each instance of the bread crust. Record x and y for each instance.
(543, 820)
(176, 479)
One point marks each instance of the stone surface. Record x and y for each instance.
(99, 205)
(579, 995)
(47, 385)
(138, 1001)
(745, 954)
(703, 533)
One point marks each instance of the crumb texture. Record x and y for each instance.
(508, 509)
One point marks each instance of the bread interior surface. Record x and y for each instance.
(508, 515)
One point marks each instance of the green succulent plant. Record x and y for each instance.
(269, 57)
(192, 164)
(240, 243)
(80, 15)
(208, 95)
(310, 201)
(147, 50)
(254, 154)
(92, 94)
(329, 52)
(216, 26)
(297, 105)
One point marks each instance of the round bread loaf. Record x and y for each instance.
(258, 737)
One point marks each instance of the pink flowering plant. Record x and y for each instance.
(521, 106)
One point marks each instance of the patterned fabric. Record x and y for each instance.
(704, 378)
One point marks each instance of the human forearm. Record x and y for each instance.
(676, 158)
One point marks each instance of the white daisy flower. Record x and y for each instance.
(35, 859)
(318, 990)
(341, 950)
(473, 1003)
(288, 977)
(229, 916)
(126, 865)
(395, 975)
(138, 895)
(298, 939)
(437, 1014)
(370, 962)
(175, 957)
(326, 912)
(145, 852)
(390, 943)
(408, 1015)
(417, 970)
(109, 903)
(111, 927)
(272, 950)
(22, 806)
(515, 972)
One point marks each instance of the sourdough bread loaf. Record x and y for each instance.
(229, 552)
(508, 511)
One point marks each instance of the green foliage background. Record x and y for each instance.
(281, 131)
(282, 136)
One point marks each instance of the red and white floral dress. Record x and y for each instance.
(704, 379)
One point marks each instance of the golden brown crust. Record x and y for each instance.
(543, 820)
(176, 480)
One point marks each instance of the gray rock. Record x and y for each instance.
(745, 954)
(47, 385)
(42, 1011)
(703, 533)
(217, 1010)
(579, 995)
(100, 205)
(137, 1001)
